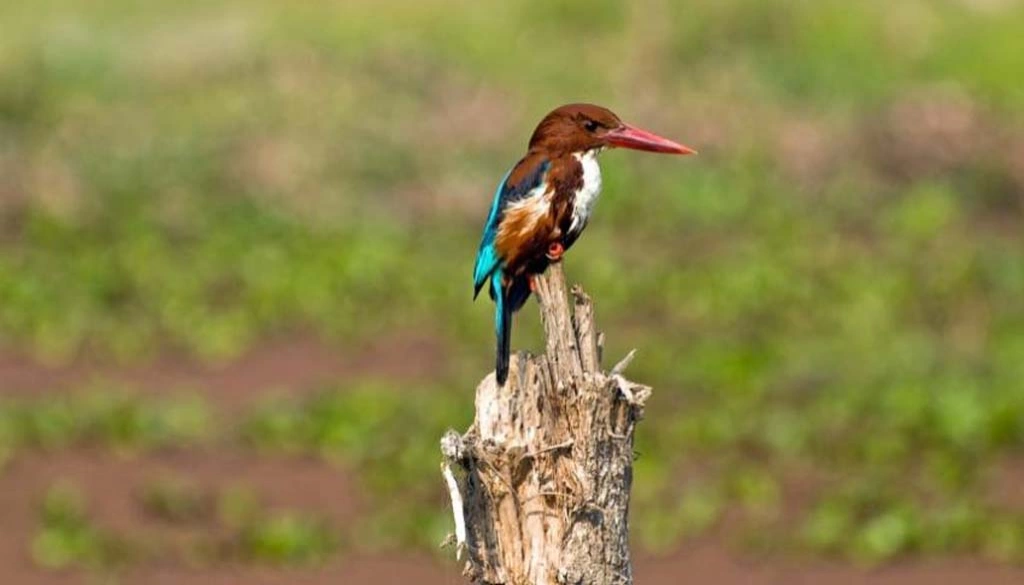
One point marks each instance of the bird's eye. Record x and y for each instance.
(591, 125)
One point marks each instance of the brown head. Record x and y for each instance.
(576, 128)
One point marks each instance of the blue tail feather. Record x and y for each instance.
(507, 300)
(502, 328)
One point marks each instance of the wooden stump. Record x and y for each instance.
(542, 482)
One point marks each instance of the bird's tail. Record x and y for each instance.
(507, 300)
(502, 329)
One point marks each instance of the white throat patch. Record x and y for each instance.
(583, 205)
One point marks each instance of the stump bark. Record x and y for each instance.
(540, 491)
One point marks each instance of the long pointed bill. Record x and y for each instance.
(630, 137)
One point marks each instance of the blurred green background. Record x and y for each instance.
(828, 301)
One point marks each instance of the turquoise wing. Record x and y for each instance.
(487, 259)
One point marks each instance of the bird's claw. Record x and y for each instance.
(555, 251)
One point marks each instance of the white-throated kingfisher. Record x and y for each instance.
(544, 202)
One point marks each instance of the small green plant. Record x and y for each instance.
(276, 537)
(67, 538)
(177, 500)
(287, 538)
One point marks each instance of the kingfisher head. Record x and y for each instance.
(580, 128)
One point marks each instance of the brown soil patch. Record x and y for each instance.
(413, 569)
(294, 364)
(707, 564)
(1008, 484)
(711, 564)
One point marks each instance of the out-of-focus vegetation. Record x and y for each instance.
(243, 530)
(113, 420)
(828, 300)
(66, 536)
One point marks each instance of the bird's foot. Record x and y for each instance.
(532, 279)
(555, 251)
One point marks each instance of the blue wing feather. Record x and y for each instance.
(487, 260)
(487, 256)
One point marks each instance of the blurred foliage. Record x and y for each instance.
(287, 539)
(238, 527)
(278, 537)
(67, 537)
(175, 500)
(121, 421)
(827, 300)
(388, 438)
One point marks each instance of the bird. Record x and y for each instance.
(544, 202)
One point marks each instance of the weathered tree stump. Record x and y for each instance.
(541, 492)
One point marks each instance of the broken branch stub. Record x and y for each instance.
(542, 493)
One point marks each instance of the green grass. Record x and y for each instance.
(827, 300)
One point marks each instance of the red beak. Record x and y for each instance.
(628, 136)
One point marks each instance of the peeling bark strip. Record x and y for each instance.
(546, 468)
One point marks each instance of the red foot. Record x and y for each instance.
(533, 283)
(555, 251)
